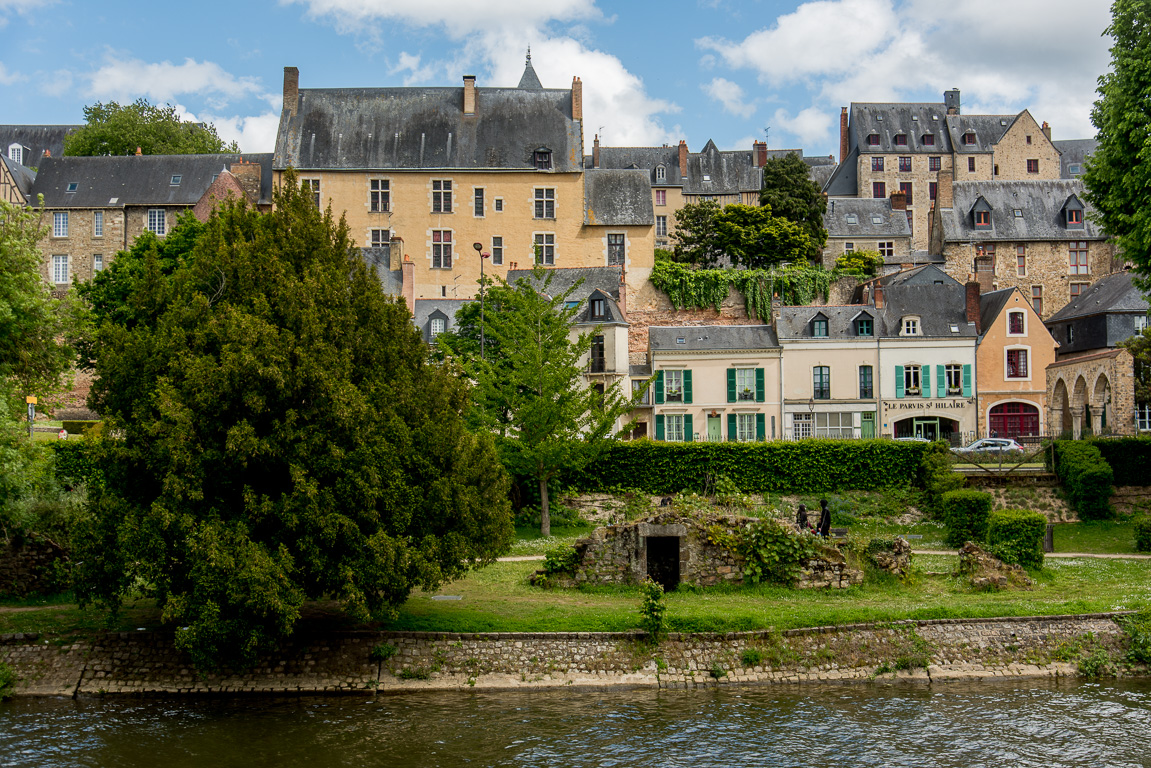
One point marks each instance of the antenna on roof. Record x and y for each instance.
(766, 137)
(529, 60)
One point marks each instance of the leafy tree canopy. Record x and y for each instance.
(792, 195)
(1139, 346)
(113, 129)
(861, 263)
(283, 436)
(746, 235)
(1118, 173)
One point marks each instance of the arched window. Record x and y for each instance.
(660, 173)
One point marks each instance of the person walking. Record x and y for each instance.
(824, 519)
(801, 520)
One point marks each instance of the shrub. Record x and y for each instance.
(937, 477)
(965, 515)
(751, 657)
(1128, 458)
(1138, 628)
(1016, 536)
(76, 463)
(383, 651)
(653, 611)
(1086, 478)
(560, 560)
(1143, 534)
(7, 681)
(774, 553)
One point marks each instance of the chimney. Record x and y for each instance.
(248, 174)
(469, 94)
(899, 200)
(878, 295)
(47, 153)
(760, 150)
(943, 192)
(595, 152)
(973, 304)
(844, 144)
(682, 159)
(408, 289)
(291, 89)
(577, 99)
(951, 101)
(1047, 130)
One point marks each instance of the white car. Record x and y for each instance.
(991, 445)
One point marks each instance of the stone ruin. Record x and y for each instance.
(985, 571)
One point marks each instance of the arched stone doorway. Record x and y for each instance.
(1060, 418)
(1100, 404)
(1014, 420)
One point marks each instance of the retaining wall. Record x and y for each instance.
(934, 651)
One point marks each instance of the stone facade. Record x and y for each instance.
(1093, 392)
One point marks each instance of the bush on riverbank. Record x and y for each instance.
(1143, 534)
(965, 513)
(1086, 477)
(1015, 536)
(1128, 458)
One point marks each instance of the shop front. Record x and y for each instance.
(950, 419)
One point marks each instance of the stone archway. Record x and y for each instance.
(1079, 407)
(1101, 416)
(1060, 416)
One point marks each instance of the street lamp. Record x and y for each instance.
(480, 250)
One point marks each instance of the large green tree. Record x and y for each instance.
(1118, 172)
(283, 436)
(748, 236)
(530, 381)
(791, 194)
(115, 129)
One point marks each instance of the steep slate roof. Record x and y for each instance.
(645, 158)
(919, 292)
(1114, 293)
(821, 174)
(844, 180)
(35, 139)
(795, 322)
(1074, 152)
(379, 261)
(132, 180)
(425, 308)
(990, 305)
(425, 128)
(712, 172)
(988, 129)
(617, 198)
(21, 175)
(612, 314)
(606, 279)
(892, 223)
(711, 338)
(887, 120)
(1041, 203)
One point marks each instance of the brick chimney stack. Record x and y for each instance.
(973, 304)
(943, 193)
(469, 94)
(682, 159)
(1047, 130)
(577, 99)
(595, 152)
(622, 292)
(844, 144)
(878, 292)
(760, 150)
(899, 200)
(291, 89)
(139, 151)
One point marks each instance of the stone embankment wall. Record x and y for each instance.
(26, 567)
(923, 651)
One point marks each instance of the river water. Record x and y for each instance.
(998, 724)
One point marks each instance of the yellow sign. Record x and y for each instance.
(31, 400)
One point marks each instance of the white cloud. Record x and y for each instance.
(255, 133)
(57, 83)
(810, 126)
(730, 95)
(459, 17)
(9, 78)
(129, 79)
(10, 8)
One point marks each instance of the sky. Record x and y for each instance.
(653, 73)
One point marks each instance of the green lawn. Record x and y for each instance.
(1104, 537)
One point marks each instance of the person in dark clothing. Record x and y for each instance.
(801, 518)
(824, 519)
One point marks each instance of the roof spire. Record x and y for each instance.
(530, 79)
(529, 60)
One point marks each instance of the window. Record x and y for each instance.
(901, 139)
(969, 138)
(673, 428)
(16, 153)
(441, 249)
(833, 424)
(905, 164)
(543, 159)
(877, 163)
(934, 163)
(866, 385)
(661, 226)
(878, 190)
(1033, 166)
(911, 326)
(1077, 257)
(953, 379)
(60, 268)
(928, 139)
(1021, 261)
(60, 224)
(911, 379)
(479, 202)
(745, 384)
(1037, 299)
(157, 221)
(1016, 324)
(545, 203)
(848, 247)
(801, 425)
(381, 237)
(821, 382)
(176, 179)
(97, 224)
(819, 327)
(497, 251)
(97, 262)
(438, 326)
(905, 188)
(851, 218)
(983, 218)
(1140, 323)
(864, 327)
(1143, 417)
(72, 186)
(499, 203)
(1077, 289)
(1017, 363)
(873, 140)
(660, 173)
(441, 196)
(545, 246)
(616, 249)
(661, 197)
(1028, 138)
(379, 195)
(971, 165)
(598, 309)
(745, 427)
(1070, 334)
(598, 356)
(887, 249)
(311, 187)
(1074, 216)
(1074, 169)
(673, 386)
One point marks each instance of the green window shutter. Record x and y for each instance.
(759, 388)
(731, 428)
(687, 387)
(941, 381)
(688, 430)
(659, 391)
(659, 427)
(898, 382)
(760, 426)
(731, 385)
(925, 381)
(967, 381)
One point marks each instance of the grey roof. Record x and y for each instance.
(891, 224)
(1114, 293)
(929, 293)
(821, 174)
(617, 198)
(844, 180)
(641, 370)
(712, 172)
(1074, 152)
(888, 120)
(1040, 203)
(612, 314)
(142, 180)
(708, 338)
(991, 304)
(379, 262)
(35, 139)
(645, 158)
(22, 176)
(988, 130)
(606, 279)
(529, 79)
(422, 128)
(425, 309)
(795, 322)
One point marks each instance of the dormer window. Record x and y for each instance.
(928, 139)
(1073, 213)
(901, 139)
(819, 327)
(660, 173)
(910, 326)
(437, 326)
(1074, 217)
(981, 214)
(864, 326)
(873, 140)
(598, 309)
(543, 159)
(16, 153)
(983, 218)
(969, 138)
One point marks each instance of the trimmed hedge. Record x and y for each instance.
(1143, 533)
(1016, 536)
(965, 514)
(803, 466)
(1086, 478)
(76, 462)
(1128, 457)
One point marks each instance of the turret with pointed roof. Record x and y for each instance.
(530, 79)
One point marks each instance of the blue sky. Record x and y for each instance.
(653, 73)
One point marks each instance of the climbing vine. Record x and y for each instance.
(707, 288)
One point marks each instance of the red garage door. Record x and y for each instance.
(1014, 420)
